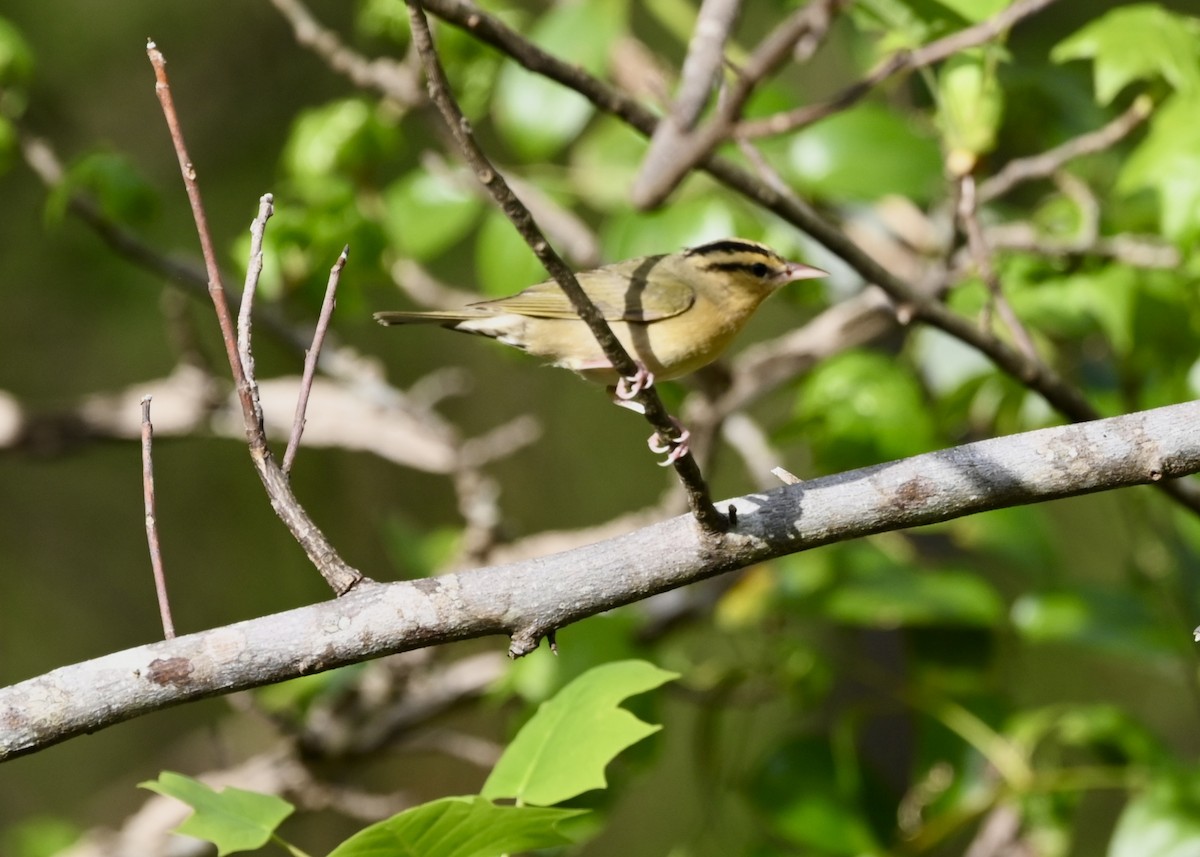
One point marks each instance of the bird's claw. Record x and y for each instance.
(628, 388)
(675, 447)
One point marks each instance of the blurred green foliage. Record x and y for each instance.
(892, 696)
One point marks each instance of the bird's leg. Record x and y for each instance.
(628, 388)
(674, 447)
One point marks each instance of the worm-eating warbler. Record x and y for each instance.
(673, 313)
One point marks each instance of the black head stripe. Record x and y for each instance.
(755, 269)
(729, 246)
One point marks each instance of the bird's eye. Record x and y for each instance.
(759, 270)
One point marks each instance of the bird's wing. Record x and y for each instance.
(622, 292)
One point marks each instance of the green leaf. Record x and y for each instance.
(16, 58)
(1112, 621)
(536, 115)
(878, 592)
(111, 179)
(459, 827)
(861, 407)
(865, 153)
(1164, 821)
(803, 795)
(970, 103)
(603, 163)
(1080, 304)
(975, 10)
(503, 261)
(231, 819)
(345, 136)
(563, 749)
(1107, 731)
(39, 836)
(427, 213)
(1168, 162)
(1138, 42)
(683, 223)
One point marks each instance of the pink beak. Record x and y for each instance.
(795, 271)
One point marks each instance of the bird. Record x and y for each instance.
(673, 313)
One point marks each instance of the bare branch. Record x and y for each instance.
(254, 267)
(968, 216)
(675, 149)
(337, 573)
(897, 63)
(527, 600)
(400, 80)
(1049, 162)
(310, 359)
(156, 563)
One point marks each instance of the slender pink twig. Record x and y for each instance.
(310, 359)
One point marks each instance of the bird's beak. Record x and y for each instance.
(795, 271)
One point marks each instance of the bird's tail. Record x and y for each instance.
(445, 318)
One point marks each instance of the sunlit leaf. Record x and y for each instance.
(460, 827)
(537, 115)
(563, 750)
(1168, 162)
(504, 264)
(976, 10)
(1137, 42)
(16, 57)
(970, 103)
(684, 223)
(428, 213)
(860, 408)
(340, 137)
(231, 819)
(865, 153)
(1163, 821)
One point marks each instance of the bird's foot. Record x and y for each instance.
(628, 388)
(675, 447)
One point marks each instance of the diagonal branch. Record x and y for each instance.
(676, 148)
(897, 63)
(528, 599)
(912, 305)
(710, 520)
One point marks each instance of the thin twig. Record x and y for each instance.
(310, 359)
(340, 576)
(676, 149)
(902, 61)
(701, 68)
(401, 80)
(258, 228)
(968, 215)
(704, 59)
(1047, 163)
(156, 563)
(710, 520)
(216, 289)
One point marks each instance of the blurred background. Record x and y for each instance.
(856, 699)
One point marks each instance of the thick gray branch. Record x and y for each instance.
(526, 600)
